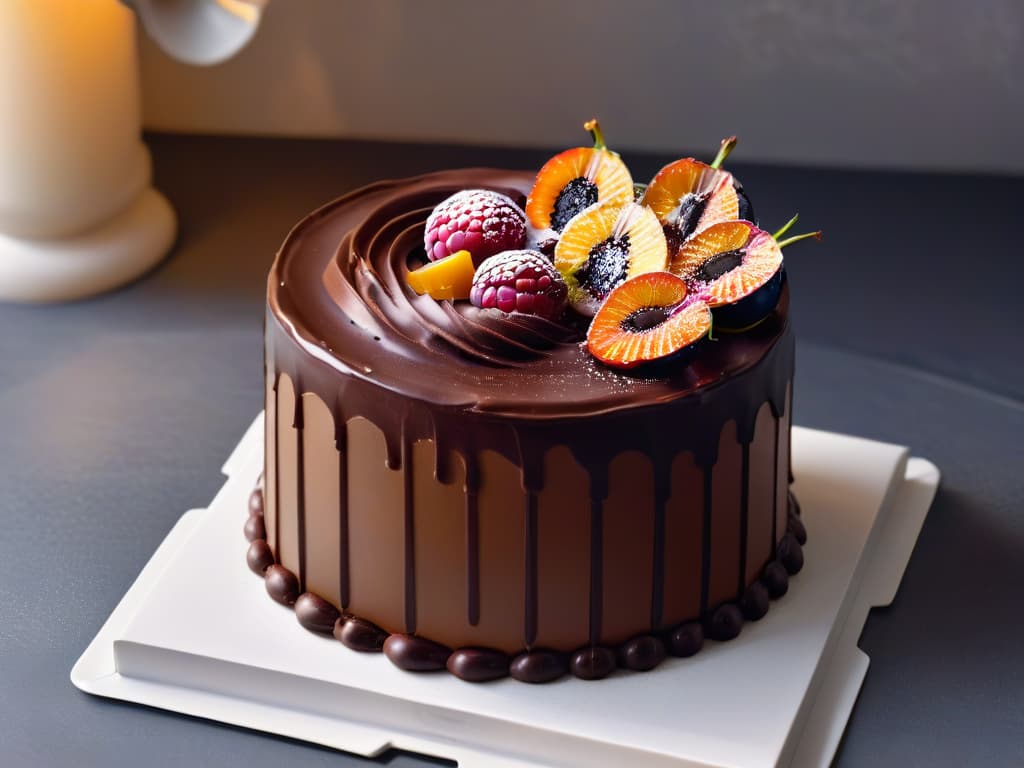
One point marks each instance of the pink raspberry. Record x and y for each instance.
(520, 281)
(476, 220)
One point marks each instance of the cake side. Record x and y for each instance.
(479, 554)
(571, 548)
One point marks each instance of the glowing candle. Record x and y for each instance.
(70, 152)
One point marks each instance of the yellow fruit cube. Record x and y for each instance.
(447, 278)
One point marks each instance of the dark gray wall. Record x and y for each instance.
(904, 83)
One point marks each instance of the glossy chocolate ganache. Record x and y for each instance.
(452, 483)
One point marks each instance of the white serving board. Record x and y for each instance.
(196, 633)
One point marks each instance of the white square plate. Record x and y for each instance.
(196, 633)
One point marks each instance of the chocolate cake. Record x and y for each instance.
(468, 488)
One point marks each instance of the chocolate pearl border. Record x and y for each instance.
(537, 665)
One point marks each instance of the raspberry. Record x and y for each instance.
(476, 220)
(520, 281)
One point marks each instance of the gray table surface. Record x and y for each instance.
(116, 413)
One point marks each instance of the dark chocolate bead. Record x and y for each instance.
(794, 505)
(592, 663)
(796, 526)
(686, 639)
(642, 653)
(775, 579)
(259, 557)
(790, 554)
(315, 613)
(415, 654)
(755, 602)
(538, 666)
(254, 529)
(478, 665)
(282, 585)
(256, 502)
(725, 623)
(359, 634)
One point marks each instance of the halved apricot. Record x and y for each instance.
(576, 179)
(605, 245)
(648, 318)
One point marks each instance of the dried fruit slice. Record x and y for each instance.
(736, 267)
(576, 179)
(447, 278)
(648, 318)
(688, 196)
(605, 245)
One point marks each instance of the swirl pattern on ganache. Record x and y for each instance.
(338, 288)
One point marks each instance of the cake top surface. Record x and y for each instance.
(340, 289)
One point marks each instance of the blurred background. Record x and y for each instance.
(910, 84)
(117, 412)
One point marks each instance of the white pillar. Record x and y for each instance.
(77, 213)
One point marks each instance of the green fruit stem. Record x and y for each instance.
(798, 238)
(723, 152)
(786, 227)
(594, 129)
